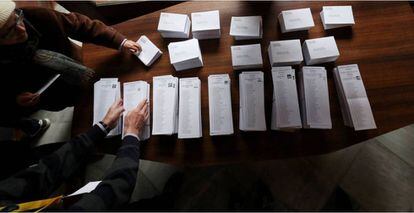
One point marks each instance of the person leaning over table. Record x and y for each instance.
(34, 47)
(39, 181)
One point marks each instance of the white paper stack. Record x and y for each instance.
(296, 20)
(106, 92)
(283, 53)
(353, 98)
(165, 105)
(206, 25)
(246, 56)
(246, 27)
(219, 105)
(149, 52)
(320, 50)
(185, 54)
(173, 25)
(134, 93)
(337, 16)
(314, 98)
(189, 116)
(285, 107)
(252, 109)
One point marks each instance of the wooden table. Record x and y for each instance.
(381, 43)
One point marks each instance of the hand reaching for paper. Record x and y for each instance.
(131, 46)
(136, 118)
(114, 113)
(27, 99)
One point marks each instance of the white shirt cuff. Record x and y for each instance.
(133, 135)
(102, 128)
(122, 44)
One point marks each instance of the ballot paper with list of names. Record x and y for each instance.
(285, 107)
(165, 105)
(314, 98)
(189, 116)
(246, 56)
(134, 93)
(353, 98)
(252, 109)
(219, 101)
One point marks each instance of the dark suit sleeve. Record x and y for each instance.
(39, 181)
(116, 188)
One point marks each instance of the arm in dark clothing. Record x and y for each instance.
(39, 181)
(116, 188)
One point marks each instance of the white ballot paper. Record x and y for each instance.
(149, 52)
(47, 85)
(106, 92)
(173, 25)
(286, 52)
(185, 54)
(337, 16)
(219, 105)
(246, 56)
(89, 187)
(165, 105)
(320, 50)
(353, 98)
(206, 25)
(296, 20)
(189, 116)
(285, 107)
(246, 27)
(134, 93)
(314, 98)
(252, 109)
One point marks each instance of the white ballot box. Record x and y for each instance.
(134, 93)
(337, 16)
(320, 50)
(149, 53)
(296, 20)
(206, 25)
(165, 105)
(286, 52)
(252, 109)
(173, 25)
(353, 98)
(314, 98)
(189, 116)
(246, 27)
(185, 54)
(246, 56)
(285, 106)
(105, 92)
(219, 105)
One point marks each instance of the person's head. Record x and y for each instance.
(12, 28)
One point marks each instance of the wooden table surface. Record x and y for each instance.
(381, 43)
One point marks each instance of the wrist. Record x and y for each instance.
(134, 131)
(107, 127)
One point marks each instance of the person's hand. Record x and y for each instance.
(27, 99)
(136, 118)
(113, 114)
(131, 46)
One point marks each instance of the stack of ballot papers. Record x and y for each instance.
(296, 20)
(206, 25)
(172, 25)
(165, 105)
(283, 53)
(246, 56)
(189, 116)
(252, 109)
(185, 54)
(134, 93)
(314, 98)
(337, 16)
(353, 98)
(149, 52)
(285, 107)
(320, 50)
(105, 92)
(219, 105)
(246, 27)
